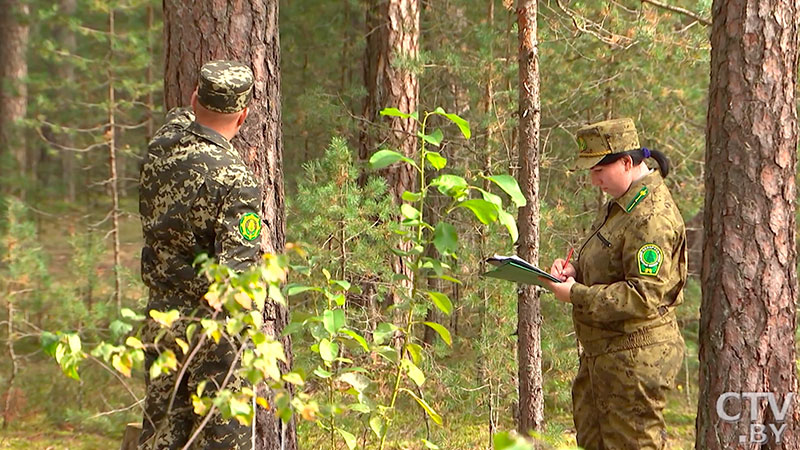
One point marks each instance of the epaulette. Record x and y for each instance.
(639, 197)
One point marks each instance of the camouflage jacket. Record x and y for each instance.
(632, 268)
(195, 196)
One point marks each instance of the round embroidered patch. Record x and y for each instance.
(250, 226)
(650, 258)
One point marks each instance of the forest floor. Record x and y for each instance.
(47, 416)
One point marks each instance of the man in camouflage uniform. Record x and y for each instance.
(624, 287)
(196, 196)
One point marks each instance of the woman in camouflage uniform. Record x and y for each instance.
(624, 286)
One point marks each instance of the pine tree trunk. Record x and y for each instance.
(66, 72)
(13, 88)
(748, 313)
(531, 400)
(113, 183)
(392, 33)
(245, 31)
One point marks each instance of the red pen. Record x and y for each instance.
(569, 255)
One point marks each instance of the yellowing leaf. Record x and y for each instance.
(134, 342)
(200, 405)
(165, 319)
(262, 402)
(183, 345)
(309, 411)
(212, 297)
(243, 299)
(123, 365)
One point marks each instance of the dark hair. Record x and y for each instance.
(639, 155)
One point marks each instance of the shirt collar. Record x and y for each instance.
(209, 135)
(638, 190)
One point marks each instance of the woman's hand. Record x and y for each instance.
(561, 272)
(560, 290)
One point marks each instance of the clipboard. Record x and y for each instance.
(513, 268)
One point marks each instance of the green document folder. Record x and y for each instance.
(514, 268)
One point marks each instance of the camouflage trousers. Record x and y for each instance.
(170, 428)
(618, 398)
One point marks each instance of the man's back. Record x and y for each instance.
(196, 196)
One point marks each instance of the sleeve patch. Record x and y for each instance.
(250, 226)
(650, 257)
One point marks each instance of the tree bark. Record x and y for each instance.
(531, 400)
(392, 33)
(113, 182)
(392, 36)
(13, 87)
(747, 324)
(246, 31)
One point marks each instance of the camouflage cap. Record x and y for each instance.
(599, 139)
(225, 86)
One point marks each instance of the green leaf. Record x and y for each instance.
(506, 441)
(349, 439)
(411, 197)
(389, 353)
(49, 342)
(294, 289)
(434, 139)
(509, 222)
(462, 124)
(240, 409)
(445, 238)
(394, 112)
(385, 158)
(383, 332)
(509, 184)
(294, 378)
(442, 331)
(409, 212)
(359, 382)
(344, 284)
(322, 373)
(190, 330)
(451, 185)
(357, 338)
(415, 350)
(414, 372)
(441, 301)
(359, 407)
(378, 426)
(128, 313)
(491, 198)
(333, 320)
(449, 278)
(328, 350)
(485, 211)
(437, 161)
(430, 445)
(74, 342)
(433, 415)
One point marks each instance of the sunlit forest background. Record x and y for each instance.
(94, 63)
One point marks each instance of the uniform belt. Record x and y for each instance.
(640, 338)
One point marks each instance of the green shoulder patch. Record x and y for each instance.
(250, 226)
(639, 197)
(650, 257)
